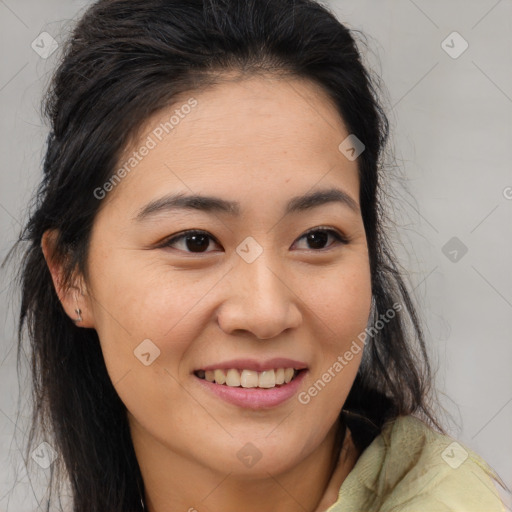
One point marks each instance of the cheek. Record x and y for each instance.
(145, 334)
(341, 309)
(131, 307)
(341, 300)
(141, 300)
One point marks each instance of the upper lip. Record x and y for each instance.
(255, 365)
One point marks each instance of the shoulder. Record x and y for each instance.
(410, 467)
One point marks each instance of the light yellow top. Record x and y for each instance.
(410, 467)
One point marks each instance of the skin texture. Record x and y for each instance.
(259, 141)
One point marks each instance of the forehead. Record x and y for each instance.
(265, 111)
(279, 135)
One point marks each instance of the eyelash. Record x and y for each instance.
(336, 234)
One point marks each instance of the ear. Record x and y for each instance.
(74, 297)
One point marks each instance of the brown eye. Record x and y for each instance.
(318, 237)
(193, 241)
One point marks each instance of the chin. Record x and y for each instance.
(258, 458)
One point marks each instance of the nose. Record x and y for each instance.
(260, 301)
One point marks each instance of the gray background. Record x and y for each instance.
(452, 139)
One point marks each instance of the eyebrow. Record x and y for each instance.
(212, 204)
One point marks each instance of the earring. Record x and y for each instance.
(78, 312)
(79, 317)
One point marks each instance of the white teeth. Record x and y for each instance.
(267, 379)
(233, 378)
(220, 376)
(249, 378)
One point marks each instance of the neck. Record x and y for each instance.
(175, 482)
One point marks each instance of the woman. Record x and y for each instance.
(216, 319)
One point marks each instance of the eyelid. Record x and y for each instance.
(166, 242)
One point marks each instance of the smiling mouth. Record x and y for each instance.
(235, 378)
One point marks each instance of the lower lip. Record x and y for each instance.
(254, 398)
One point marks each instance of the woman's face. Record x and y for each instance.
(251, 292)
